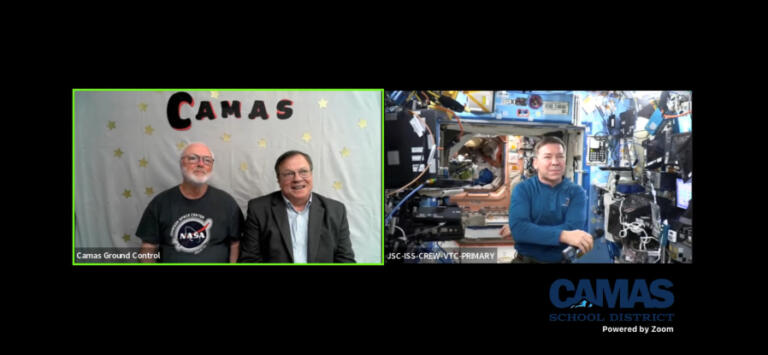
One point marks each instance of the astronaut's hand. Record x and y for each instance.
(579, 239)
(505, 232)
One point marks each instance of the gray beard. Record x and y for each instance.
(193, 179)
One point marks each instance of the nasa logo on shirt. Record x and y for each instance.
(191, 233)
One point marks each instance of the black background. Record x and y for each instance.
(400, 301)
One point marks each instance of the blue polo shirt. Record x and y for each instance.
(538, 213)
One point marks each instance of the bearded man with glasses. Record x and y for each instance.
(296, 225)
(192, 222)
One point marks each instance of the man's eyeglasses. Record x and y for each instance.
(291, 174)
(194, 159)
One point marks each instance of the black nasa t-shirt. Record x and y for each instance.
(192, 231)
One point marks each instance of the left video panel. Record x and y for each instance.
(218, 177)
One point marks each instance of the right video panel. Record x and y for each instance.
(542, 177)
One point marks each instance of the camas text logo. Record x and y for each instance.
(623, 293)
(206, 110)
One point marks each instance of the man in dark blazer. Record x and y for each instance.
(295, 225)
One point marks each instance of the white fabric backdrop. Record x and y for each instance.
(126, 152)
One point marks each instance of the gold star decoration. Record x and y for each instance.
(323, 103)
(143, 162)
(148, 130)
(118, 153)
(337, 185)
(306, 137)
(143, 107)
(345, 152)
(149, 191)
(181, 145)
(362, 123)
(111, 125)
(127, 193)
(226, 137)
(126, 237)
(215, 94)
(244, 166)
(262, 143)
